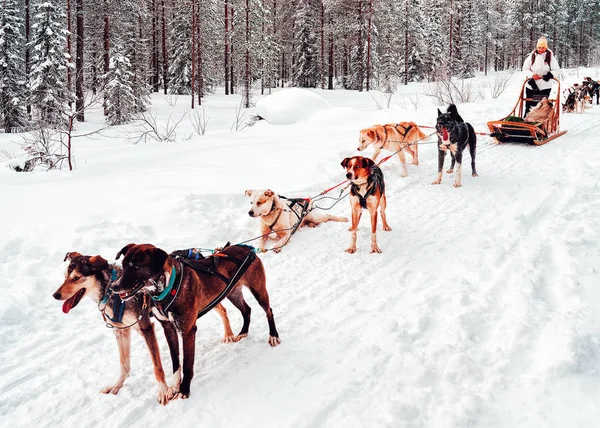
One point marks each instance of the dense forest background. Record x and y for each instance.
(56, 56)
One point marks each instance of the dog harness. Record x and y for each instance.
(117, 305)
(206, 265)
(374, 182)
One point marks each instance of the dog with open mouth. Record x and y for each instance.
(92, 276)
(190, 290)
(454, 135)
(367, 191)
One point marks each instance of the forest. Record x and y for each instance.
(58, 57)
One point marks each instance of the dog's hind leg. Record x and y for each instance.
(473, 150)
(382, 206)
(124, 343)
(257, 284)
(228, 334)
(146, 329)
(237, 298)
(317, 219)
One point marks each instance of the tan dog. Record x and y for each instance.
(92, 276)
(278, 215)
(367, 191)
(392, 137)
(543, 113)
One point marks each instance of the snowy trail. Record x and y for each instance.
(482, 310)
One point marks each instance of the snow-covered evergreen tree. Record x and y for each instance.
(121, 102)
(50, 96)
(304, 71)
(180, 38)
(13, 92)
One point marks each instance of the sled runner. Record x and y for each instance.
(514, 129)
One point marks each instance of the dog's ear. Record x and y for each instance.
(157, 259)
(248, 192)
(439, 113)
(367, 162)
(70, 256)
(269, 193)
(98, 262)
(371, 134)
(124, 251)
(345, 162)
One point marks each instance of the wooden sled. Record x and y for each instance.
(510, 130)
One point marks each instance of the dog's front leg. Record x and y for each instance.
(403, 163)
(458, 179)
(147, 331)
(375, 154)
(173, 342)
(356, 214)
(189, 351)
(124, 344)
(441, 155)
(279, 245)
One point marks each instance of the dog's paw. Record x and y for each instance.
(475, 174)
(163, 394)
(350, 229)
(415, 162)
(240, 337)
(111, 389)
(351, 250)
(387, 228)
(274, 341)
(229, 339)
(450, 171)
(375, 249)
(457, 184)
(311, 225)
(404, 175)
(436, 181)
(344, 219)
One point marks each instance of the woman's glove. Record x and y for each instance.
(547, 76)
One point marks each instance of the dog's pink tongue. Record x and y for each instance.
(68, 305)
(445, 134)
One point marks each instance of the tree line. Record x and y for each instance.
(55, 55)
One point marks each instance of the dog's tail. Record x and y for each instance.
(453, 111)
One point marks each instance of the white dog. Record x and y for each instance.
(279, 215)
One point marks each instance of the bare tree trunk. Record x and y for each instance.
(369, 46)
(247, 71)
(154, 59)
(69, 50)
(106, 48)
(200, 73)
(272, 73)
(360, 55)
(322, 68)
(331, 58)
(406, 43)
(451, 31)
(79, 102)
(27, 51)
(231, 78)
(226, 47)
(193, 49)
(164, 49)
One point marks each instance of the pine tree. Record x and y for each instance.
(304, 72)
(121, 103)
(50, 96)
(13, 92)
(180, 38)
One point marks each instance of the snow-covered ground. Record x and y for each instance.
(482, 310)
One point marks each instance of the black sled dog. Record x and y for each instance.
(454, 135)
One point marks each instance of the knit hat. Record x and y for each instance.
(542, 42)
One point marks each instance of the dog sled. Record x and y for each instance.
(514, 129)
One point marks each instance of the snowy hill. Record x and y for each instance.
(482, 310)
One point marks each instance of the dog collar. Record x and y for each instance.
(113, 278)
(169, 287)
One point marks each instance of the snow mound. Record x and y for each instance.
(289, 106)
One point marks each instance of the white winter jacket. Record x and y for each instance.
(540, 67)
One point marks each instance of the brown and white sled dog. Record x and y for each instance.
(148, 269)
(92, 276)
(278, 215)
(392, 137)
(543, 113)
(367, 190)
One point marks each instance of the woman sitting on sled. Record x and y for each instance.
(543, 64)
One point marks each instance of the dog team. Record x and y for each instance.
(179, 287)
(579, 96)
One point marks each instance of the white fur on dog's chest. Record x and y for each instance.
(453, 147)
(160, 316)
(362, 189)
